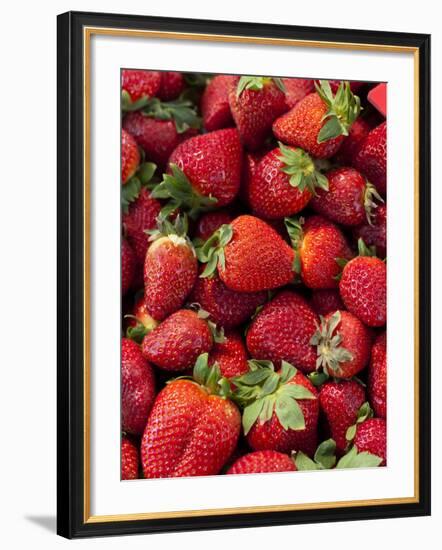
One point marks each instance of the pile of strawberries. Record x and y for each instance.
(253, 275)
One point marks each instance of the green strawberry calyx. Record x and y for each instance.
(128, 104)
(364, 250)
(130, 191)
(302, 171)
(296, 234)
(364, 412)
(262, 392)
(210, 378)
(138, 331)
(175, 231)
(257, 83)
(182, 111)
(181, 194)
(330, 353)
(370, 196)
(217, 333)
(212, 253)
(342, 110)
(325, 458)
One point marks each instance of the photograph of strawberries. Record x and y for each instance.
(253, 264)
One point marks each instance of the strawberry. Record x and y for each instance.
(283, 330)
(350, 146)
(374, 233)
(371, 158)
(261, 462)
(129, 459)
(128, 266)
(192, 429)
(230, 355)
(371, 436)
(340, 402)
(139, 85)
(170, 268)
(283, 183)
(343, 345)
(354, 85)
(377, 376)
(318, 243)
(137, 388)
(140, 322)
(171, 86)
(348, 199)
(326, 300)
(228, 308)
(175, 344)
(205, 171)
(318, 123)
(280, 408)
(209, 222)
(130, 156)
(215, 106)
(233, 249)
(296, 89)
(363, 287)
(255, 102)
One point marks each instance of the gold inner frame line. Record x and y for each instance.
(87, 33)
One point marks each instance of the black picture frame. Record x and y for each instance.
(70, 264)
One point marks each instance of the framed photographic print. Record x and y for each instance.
(226, 268)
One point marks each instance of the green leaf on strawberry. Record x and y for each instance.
(364, 412)
(324, 459)
(257, 83)
(127, 104)
(131, 189)
(353, 459)
(370, 195)
(181, 111)
(211, 252)
(301, 169)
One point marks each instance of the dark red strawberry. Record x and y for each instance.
(371, 158)
(128, 266)
(354, 85)
(205, 171)
(250, 163)
(233, 249)
(260, 462)
(209, 222)
(140, 84)
(280, 408)
(215, 106)
(327, 300)
(318, 123)
(375, 233)
(296, 89)
(177, 342)
(129, 459)
(137, 388)
(130, 156)
(230, 355)
(371, 436)
(191, 431)
(343, 345)
(377, 376)
(255, 102)
(318, 243)
(139, 321)
(340, 403)
(283, 330)
(350, 146)
(363, 287)
(170, 268)
(228, 308)
(349, 199)
(171, 86)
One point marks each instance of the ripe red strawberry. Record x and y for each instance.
(230, 355)
(363, 287)
(140, 217)
(140, 84)
(296, 89)
(228, 308)
(215, 106)
(191, 431)
(283, 330)
(377, 376)
(281, 408)
(283, 183)
(250, 163)
(371, 436)
(128, 266)
(261, 462)
(130, 156)
(354, 85)
(375, 234)
(371, 158)
(137, 388)
(177, 342)
(318, 123)
(318, 243)
(343, 345)
(350, 146)
(171, 86)
(340, 403)
(233, 248)
(327, 300)
(348, 199)
(129, 459)
(205, 171)
(255, 102)
(140, 322)
(209, 222)
(170, 268)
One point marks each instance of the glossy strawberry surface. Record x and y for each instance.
(262, 462)
(130, 156)
(296, 89)
(377, 376)
(128, 266)
(230, 355)
(140, 83)
(326, 300)
(371, 436)
(129, 459)
(371, 159)
(215, 106)
(209, 222)
(375, 234)
(171, 85)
